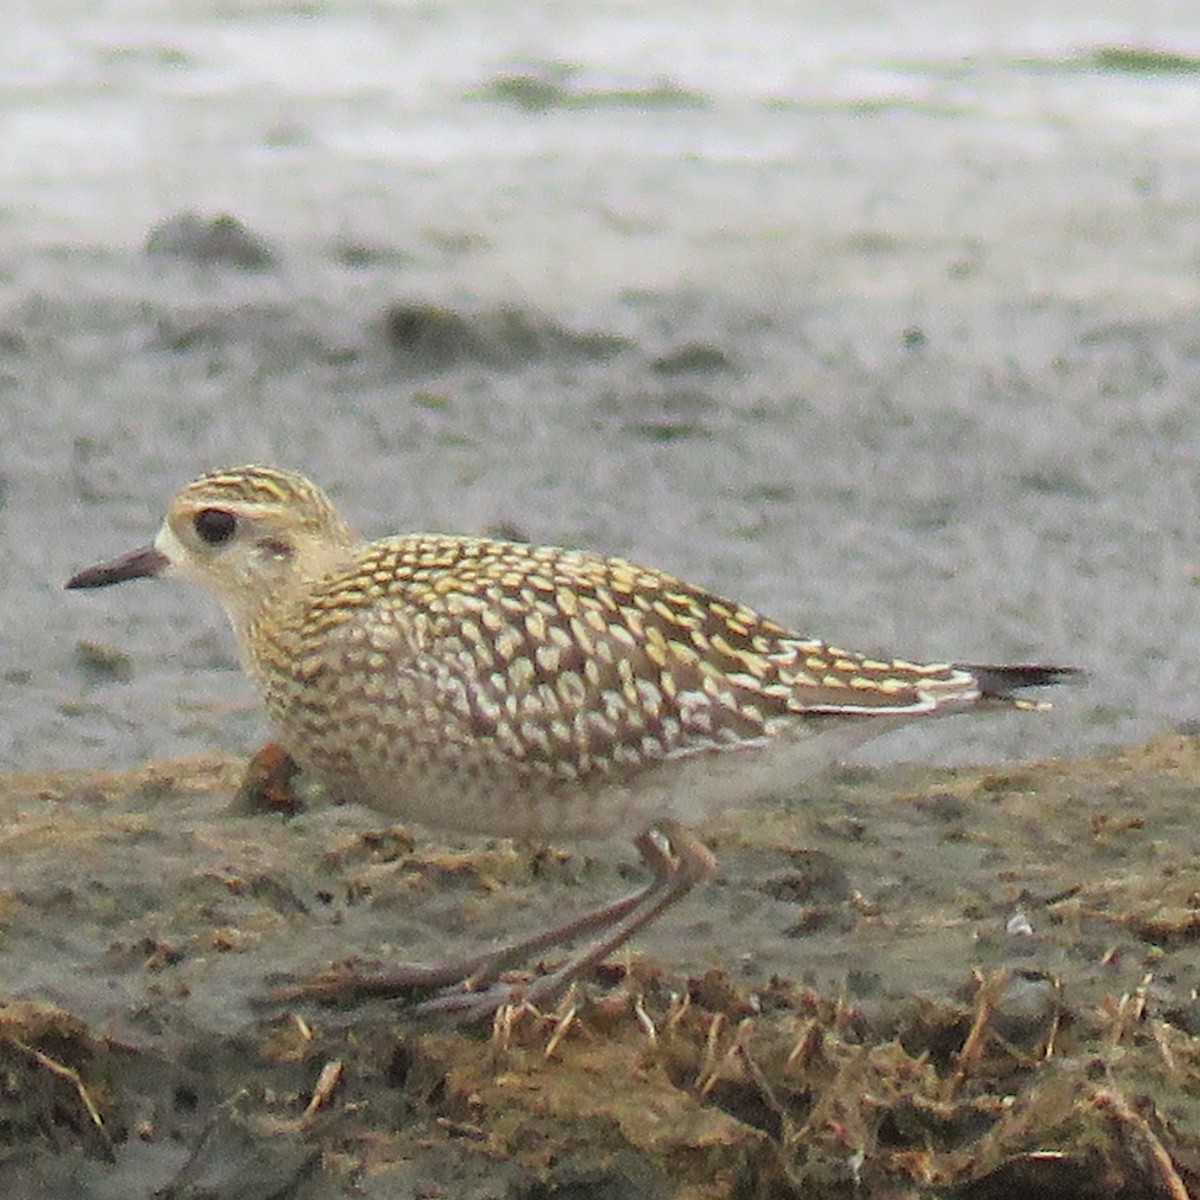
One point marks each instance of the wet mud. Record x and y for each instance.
(912, 982)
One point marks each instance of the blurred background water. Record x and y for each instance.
(878, 316)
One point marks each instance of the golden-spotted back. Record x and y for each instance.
(507, 688)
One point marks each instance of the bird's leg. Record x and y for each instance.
(679, 862)
(344, 984)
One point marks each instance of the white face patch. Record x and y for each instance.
(172, 549)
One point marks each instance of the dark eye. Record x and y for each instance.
(214, 525)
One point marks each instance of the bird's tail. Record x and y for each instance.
(1000, 683)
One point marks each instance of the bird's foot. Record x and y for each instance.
(496, 1000)
(346, 984)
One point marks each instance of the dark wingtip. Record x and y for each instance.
(137, 564)
(999, 682)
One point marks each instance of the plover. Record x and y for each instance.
(473, 684)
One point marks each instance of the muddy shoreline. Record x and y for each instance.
(915, 981)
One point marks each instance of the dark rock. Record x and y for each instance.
(222, 240)
(433, 337)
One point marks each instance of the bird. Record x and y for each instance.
(495, 687)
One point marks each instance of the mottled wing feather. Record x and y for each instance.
(567, 657)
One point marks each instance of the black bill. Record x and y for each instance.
(137, 564)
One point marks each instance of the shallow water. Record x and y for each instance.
(946, 262)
